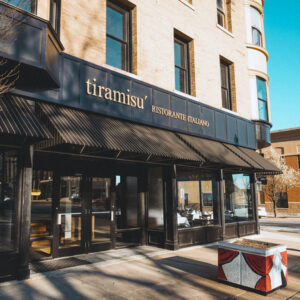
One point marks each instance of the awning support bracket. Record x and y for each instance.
(119, 153)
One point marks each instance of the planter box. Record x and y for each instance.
(253, 264)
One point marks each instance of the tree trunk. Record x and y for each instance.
(275, 207)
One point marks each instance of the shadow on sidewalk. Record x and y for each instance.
(69, 285)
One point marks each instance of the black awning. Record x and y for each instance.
(214, 152)
(267, 167)
(17, 118)
(236, 150)
(90, 130)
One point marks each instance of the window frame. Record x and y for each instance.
(263, 100)
(127, 33)
(227, 88)
(222, 13)
(186, 68)
(56, 25)
(253, 29)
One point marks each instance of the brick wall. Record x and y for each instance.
(83, 34)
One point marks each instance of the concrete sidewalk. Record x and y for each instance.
(151, 273)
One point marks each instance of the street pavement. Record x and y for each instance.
(280, 224)
(152, 273)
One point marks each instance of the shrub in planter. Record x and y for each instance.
(253, 264)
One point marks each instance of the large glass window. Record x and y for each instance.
(237, 198)
(262, 99)
(197, 201)
(8, 205)
(156, 207)
(41, 214)
(225, 85)
(181, 65)
(28, 5)
(117, 37)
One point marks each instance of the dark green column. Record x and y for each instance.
(24, 188)
(170, 199)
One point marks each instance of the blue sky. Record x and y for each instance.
(282, 30)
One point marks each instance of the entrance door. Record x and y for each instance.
(100, 217)
(69, 231)
(128, 228)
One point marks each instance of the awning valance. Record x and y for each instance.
(230, 155)
(17, 119)
(213, 152)
(85, 129)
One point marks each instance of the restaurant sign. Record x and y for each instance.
(103, 91)
(126, 98)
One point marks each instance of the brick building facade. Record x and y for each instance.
(287, 143)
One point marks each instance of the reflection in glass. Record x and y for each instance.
(179, 79)
(8, 181)
(115, 53)
(114, 23)
(156, 208)
(261, 89)
(100, 210)
(132, 201)
(69, 214)
(256, 36)
(41, 213)
(197, 201)
(24, 4)
(237, 198)
(126, 202)
(262, 108)
(179, 54)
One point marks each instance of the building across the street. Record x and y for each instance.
(287, 143)
(131, 122)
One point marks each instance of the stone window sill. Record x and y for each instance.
(225, 30)
(187, 4)
(122, 72)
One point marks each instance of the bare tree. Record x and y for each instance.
(278, 184)
(10, 25)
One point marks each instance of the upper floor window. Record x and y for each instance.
(118, 37)
(262, 99)
(224, 14)
(256, 37)
(280, 150)
(226, 85)
(221, 12)
(256, 26)
(27, 5)
(182, 72)
(55, 15)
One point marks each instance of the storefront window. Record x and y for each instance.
(156, 208)
(8, 181)
(197, 201)
(41, 213)
(237, 198)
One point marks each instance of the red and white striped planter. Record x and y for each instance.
(263, 270)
